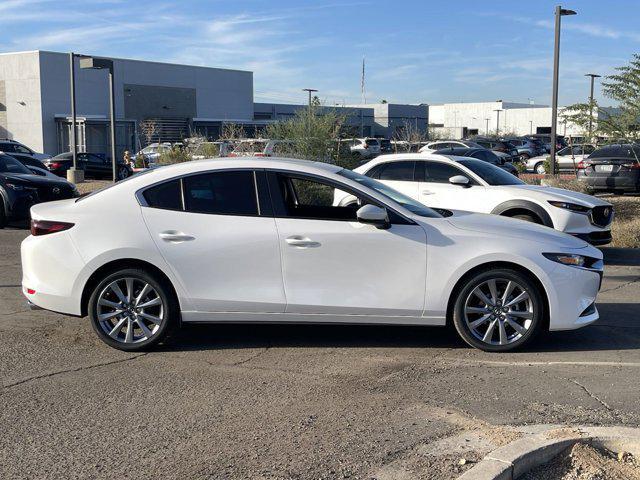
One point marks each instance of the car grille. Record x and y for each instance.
(49, 194)
(601, 216)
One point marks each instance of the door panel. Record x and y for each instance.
(350, 268)
(230, 263)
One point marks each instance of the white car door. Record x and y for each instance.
(436, 191)
(219, 241)
(332, 264)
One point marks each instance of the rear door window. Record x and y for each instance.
(438, 172)
(398, 171)
(222, 193)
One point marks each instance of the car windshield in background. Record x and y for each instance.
(11, 165)
(407, 202)
(617, 151)
(370, 142)
(490, 173)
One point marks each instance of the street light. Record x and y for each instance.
(310, 90)
(486, 130)
(101, 64)
(498, 122)
(73, 174)
(593, 77)
(559, 13)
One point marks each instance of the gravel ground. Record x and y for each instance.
(295, 402)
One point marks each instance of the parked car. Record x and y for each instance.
(27, 161)
(501, 147)
(526, 148)
(462, 183)
(385, 146)
(151, 152)
(545, 138)
(365, 148)
(613, 168)
(567, 158)
(169, 247)
(259, 147)
(94, 166)
(481, 154)
(442, 144)
(20, 151)
(20, 188)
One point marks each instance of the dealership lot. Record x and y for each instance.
(295, 401)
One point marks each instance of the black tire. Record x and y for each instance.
(169, 306)
(524, 157)
(503, 274)
(527, 218)
(536, 167)
(123, 172)
(3, 215)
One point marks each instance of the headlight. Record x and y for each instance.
(16, 187)
(574, 207)
(566, 259)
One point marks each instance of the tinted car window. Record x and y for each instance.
(485, 155)
(490, 173)
(400, 171)
(7, 147)
(438, 172)
(617, 151)
(21, 149)
(224, 193)
(166, 196)
(11, 165)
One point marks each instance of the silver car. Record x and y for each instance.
(567, 158)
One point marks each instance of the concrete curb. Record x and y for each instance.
(516, 458)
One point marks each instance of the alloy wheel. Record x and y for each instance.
(499, 311)
(130, 310)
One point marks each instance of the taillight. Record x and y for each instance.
(581, 165)
(45, 227)
(55, 165)
(259, 154)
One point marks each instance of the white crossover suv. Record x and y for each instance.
(261, 240)
(462, 183)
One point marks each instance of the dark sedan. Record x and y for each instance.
(612, 168)
(94, 166)
(481, 154)
(20, 188)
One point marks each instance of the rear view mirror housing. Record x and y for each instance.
(373, 215)
(460, 180)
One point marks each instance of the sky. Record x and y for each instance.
(415, 51)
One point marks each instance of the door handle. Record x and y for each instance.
(427, 192)
(302, 242)
(174, 236)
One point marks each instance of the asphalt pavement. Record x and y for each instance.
(300, 402)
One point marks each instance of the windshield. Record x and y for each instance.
(490, 173)
(407, 202)
(11, 165)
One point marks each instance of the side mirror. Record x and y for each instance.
(460, 180)
(373, 215)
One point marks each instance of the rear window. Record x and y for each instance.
(165, 196)
(617, 151)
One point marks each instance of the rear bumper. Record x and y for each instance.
(628, 182)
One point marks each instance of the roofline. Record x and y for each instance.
(130, 60)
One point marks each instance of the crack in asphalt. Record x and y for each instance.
(595, 397)
(77, 369)
(622, 285)
(255, 355)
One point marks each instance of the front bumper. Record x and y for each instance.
(596, 238)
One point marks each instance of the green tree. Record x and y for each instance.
(579, 115)
(624, 88)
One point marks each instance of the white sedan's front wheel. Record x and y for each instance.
(498, 310)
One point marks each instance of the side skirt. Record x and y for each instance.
(252, 317)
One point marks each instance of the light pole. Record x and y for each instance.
(593, 77)
(497, 121)
(310, 90)
(530, 127)
(486, 130)
(100, 64)
(559, 13)
(73, 174)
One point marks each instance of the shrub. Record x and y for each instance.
(174, 155)
(140, 161)
(521, 167)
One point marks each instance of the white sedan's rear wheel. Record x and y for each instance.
(498, 310)
(539, 168)
(132, 310)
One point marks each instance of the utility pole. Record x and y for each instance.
(486, 130)
(559, 13)
(593, 77)
(530, 127)
(497, 121)
(310, 90)
(73, 175)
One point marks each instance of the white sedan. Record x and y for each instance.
(255, 240)
(462, 183)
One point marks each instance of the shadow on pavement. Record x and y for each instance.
(617, 329)
(621, 256)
